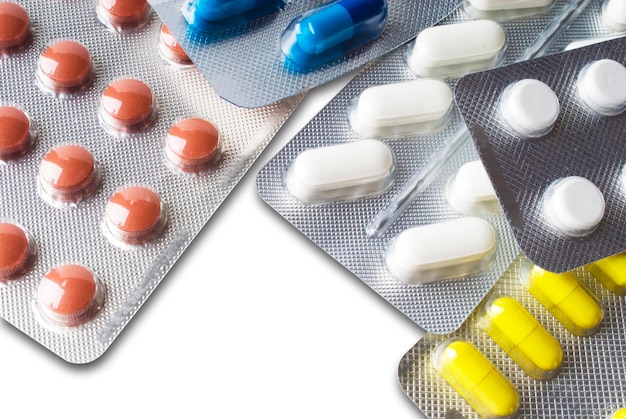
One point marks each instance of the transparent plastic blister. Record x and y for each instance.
(581, 379)
(248, 66)
(562, 191)
(422, 289)
(92, 217)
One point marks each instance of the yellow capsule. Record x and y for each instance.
(566, 299)
(476, 379)
(611, 272)
(521, 336)
(619, 414)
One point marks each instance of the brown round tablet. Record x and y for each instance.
(68, 174)
(17, 251)
(171, 50)
(192, 145)
(70, 295)
(16, 138)
(135, 215)
(15, 33)
(124, 15)
(127, 106)
(64, 68)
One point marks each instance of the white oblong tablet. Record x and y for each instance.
(602, 86)
(574, 206)
(434, 252)
(413, 107)
(490, 5)
(457, 48)
(470, 190)
(530, 108)
(614, 14)
(341, 172)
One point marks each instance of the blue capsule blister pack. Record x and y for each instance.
(256, 52)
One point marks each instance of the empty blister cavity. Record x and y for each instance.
(470, 191)
(530, 108)
(17, 251)
(565, 298)
(614, 14)
(413, 107)
(333, 30)
(171, 50)
(458, 48)
(522, 337)
(127, 107)
(476, 379)
(124, 15)
(69, 296)
(17, 134)
(574, 206)
(611, 272)
(341, 172)
(192, 145)
(602, 86)
(450, 249)
(64, 69)
(15, 32)
(217, 15)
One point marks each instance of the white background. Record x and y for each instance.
(253, 321)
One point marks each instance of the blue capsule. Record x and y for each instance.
(219, 15)
(332, 30)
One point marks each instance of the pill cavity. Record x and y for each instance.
(470, 190)
(614, 14)
(15, 33)
(124, 15)
(450, 249)
(602, 86)
(530, 108)
(341, 172)
(332, 30)
(127, 107)
(476, 379)
(192, 145)
(219, 15)
(487, 5)
(611, 272)
(69, 295)
(64, 69)
(574, 206)
(573, 305)
(522, 337)
(414, 107)
(17, 251)
(171, 50)
(16, 133)
(457, 48)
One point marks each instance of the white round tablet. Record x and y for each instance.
(574, 206)
(602, 86)
(530, 108)
(614, 14)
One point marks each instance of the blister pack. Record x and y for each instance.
(550, 132)
(388, 124)
(115, 153)
(540, 345)
(257, 52)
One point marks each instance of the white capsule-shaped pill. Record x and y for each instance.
(434, 252)
(413, 107)
(457, 48)
(574, 206)
(491, 5)
(530, 108)
(602, 86)
(341, 172)
(614, 14)
(470, 190)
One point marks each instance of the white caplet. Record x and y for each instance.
(602, 86)
(434, 252)
(341, 172)
(508, 4)
(614, 14)
(530, 108)
(574, 206)
(470, 190)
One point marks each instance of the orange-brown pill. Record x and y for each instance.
(123, 15)
(127, 107)
(70, 295)
(171, 50)
(135, 215)
(64, 68)
(17, 251)
(16, 136)
(15, 33)
(68, 174)
(192, 145)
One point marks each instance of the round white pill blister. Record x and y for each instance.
(530, 108)
(574, 206)
(614, 14)
(602, 86)
(470, 190)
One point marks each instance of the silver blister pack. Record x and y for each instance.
(563, 191)
(590, 383)
(246, 66)
(75, 233)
